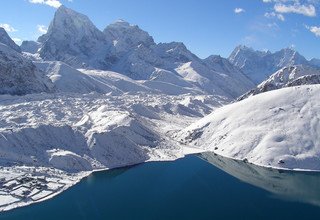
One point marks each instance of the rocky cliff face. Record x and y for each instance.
(258, 65)
(5, 39)
(19, 76)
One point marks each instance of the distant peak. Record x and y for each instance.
(214, 58)
(289, 49)
(121, 23)
(63, 10)
(243, 47)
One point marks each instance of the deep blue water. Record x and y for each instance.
(189, 188)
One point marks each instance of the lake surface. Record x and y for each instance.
(205, 187)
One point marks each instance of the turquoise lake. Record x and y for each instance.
(195, 187)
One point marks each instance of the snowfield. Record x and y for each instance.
(277, 129)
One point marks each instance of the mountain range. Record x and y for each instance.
(125, 49)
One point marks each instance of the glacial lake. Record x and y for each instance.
(198, 187)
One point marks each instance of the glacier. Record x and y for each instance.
(79, 100)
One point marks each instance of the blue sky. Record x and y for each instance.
(205, 26)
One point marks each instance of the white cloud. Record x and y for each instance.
(239, 10)
(274, 15)
(315, 30)
(52, 3)
(307, 10)
(42, 29)
(8, 28)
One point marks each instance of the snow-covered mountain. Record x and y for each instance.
(30, 46)
(259, 65)
(277, 129)
(5, 39)
(125, 36)
(285, 77)
(18, 75)
(124, 48)
(305, 80)
(315, 62)
(74, 39)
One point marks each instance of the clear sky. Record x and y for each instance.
(205, 26)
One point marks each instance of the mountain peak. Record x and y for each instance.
(73, 38)
(67, 21)
(122, 23)
(5, 39)
(125, 35)
(243, 47)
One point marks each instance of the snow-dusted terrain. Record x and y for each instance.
(288, 76)
(80, 133)
(258, 65)
(81, 99)
(277, 129)
(124, 48)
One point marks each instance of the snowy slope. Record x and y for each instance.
(18, 75)
(277, 129)
(69, 80)
(258, 65)
(285, 77)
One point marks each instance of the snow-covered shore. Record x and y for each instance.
(278, 129)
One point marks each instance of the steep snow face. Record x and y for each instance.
(5, 39)
(258, 65)
(125, 36)
(250, 62)
(278, 129)
(287, 76)
(18, 75)
(30, 46)
(74, 39)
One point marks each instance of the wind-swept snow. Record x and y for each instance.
(279, 129)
